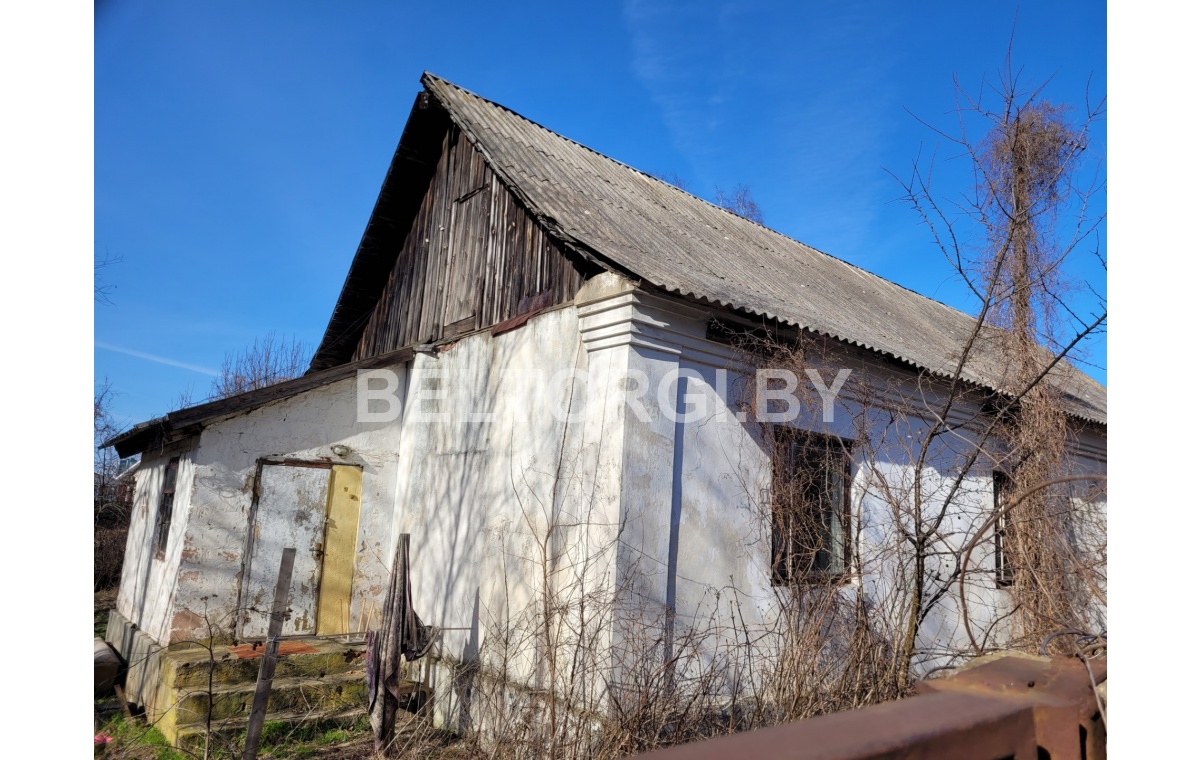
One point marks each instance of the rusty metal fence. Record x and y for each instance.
(999, 708)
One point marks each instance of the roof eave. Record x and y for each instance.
(184, 423)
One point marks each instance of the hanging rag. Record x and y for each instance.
(401, 634)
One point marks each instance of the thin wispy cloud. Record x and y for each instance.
(680, 54)
(737, 84)
(156, 359)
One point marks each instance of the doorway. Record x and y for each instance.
(313, 507)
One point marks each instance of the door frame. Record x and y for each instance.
(248, 545)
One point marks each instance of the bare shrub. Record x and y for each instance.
(585, 669)
(739, 201)
(108, 555)
(112, 498)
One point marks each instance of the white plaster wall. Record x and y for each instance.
(501, 495)
(477, 496)
(1090, 455)
(725, 541)
(710, 478)
(724, 536)
(303, 427)
(148, 584)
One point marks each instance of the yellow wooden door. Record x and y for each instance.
(341, 536)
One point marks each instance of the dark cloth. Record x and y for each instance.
(401, 634)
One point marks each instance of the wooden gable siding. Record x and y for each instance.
(473, 258)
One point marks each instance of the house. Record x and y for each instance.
(538, 367)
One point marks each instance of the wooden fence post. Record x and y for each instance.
(266, 668)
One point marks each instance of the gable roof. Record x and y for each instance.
(641, 226)
(682, 244)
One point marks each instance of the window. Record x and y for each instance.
(1001, 490)
(810, 505)
(162, 523)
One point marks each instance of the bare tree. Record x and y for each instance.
(105, 426)
(270, 359)
(1006, 241)
(740, 202)
(111, 499)
(672, 178)
(101, 289)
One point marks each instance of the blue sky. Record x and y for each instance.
(239, 147)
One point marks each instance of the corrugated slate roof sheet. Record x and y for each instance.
(683, 244)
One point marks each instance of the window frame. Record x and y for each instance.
(166, 508)
(1001, 488)
(787, 441)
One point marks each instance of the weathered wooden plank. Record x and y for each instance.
(266, 668)
(341, 534)
(491, 270)
(409, 307)
(472, 251)
(438, 262)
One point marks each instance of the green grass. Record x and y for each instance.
(135, 739)
(301, 740)
(319, 740)
(333, 736)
